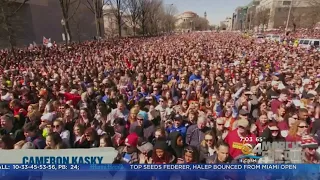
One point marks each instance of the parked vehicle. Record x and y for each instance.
(307, 43)
(273, 37)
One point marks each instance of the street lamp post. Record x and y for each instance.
(250, 16)
(64, 34)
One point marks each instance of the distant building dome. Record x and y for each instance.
(188, 14)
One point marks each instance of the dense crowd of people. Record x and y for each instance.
(187, 98)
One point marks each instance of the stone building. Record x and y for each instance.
(185, 20)
(38, 18)
(301, 15)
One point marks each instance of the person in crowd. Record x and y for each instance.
(309, 147)
(128, 154)
(105, 141)
(196, 133)
(78, 133)
(7, 128)
(190, 156)
(221, 155)
(54, 141)
(89, 139)
(272, 133)
(58, 126)
(32, 135)
(120, 112)
(178, 126)
(208, 146)
(220, 128)
(298, 129)
(239, 136)
(176, 144)
(6, 142)
(161, 155)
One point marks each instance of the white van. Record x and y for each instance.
(273, 37)
(307, 43)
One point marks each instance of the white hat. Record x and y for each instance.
(273, 83)
(74, 91)
(281, 86)
(6, 97)
(47, 116)
(306, 81)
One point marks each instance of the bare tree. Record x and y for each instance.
(8, 11)
(169, 19)
(262, 17)
(154, 16)
(143, 15)
(69, 9)
(295, 16)
(76, 22)
(313, 15)
(96, 7)
(134, 9)
(118, 8)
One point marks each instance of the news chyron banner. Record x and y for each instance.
(96, 163)
(30, 164)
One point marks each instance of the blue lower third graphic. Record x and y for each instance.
(181, 172)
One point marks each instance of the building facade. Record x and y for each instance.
(239, 18)
(251, 11)
(38, 18)
(301, 15)
(185, 20)
(111, 28)
(226, 24)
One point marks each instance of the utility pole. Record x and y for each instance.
(289, 14)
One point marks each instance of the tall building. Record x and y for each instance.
(38, 18)
(251, 14)
(239, 18)
(277, 13)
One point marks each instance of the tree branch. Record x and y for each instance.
(15, 12)
(74, 12)
(89, 6)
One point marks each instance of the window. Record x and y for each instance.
(286, 3)
(306, 42)
(316, 43)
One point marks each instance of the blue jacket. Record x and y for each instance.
(182, 129)
(194, 77)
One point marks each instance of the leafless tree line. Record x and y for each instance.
(144, 17)
(8, 13)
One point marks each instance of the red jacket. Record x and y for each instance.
(75, 98)
(236, 144)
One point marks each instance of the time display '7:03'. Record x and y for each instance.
(251, 139)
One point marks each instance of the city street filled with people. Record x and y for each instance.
(194, 97)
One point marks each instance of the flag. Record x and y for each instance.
(129, 65)
(45, 41)
(30, 47)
